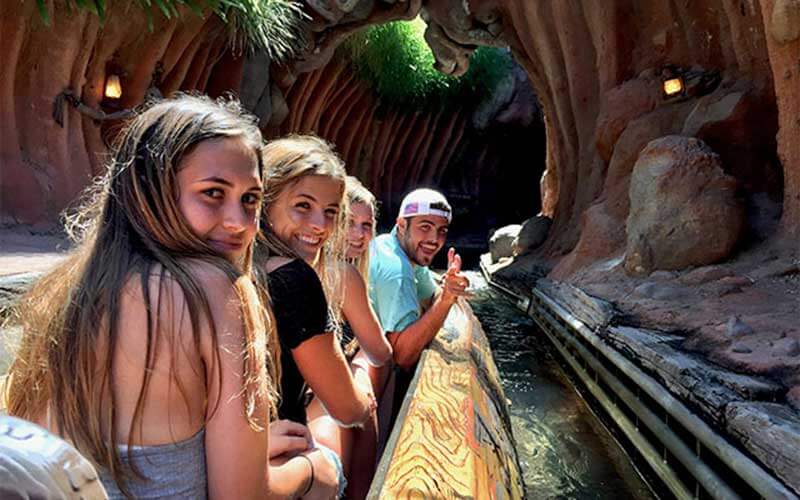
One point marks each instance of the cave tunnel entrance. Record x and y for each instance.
(494, 182)
(399, 124)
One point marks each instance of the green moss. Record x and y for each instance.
(398, 64)
(272, 25)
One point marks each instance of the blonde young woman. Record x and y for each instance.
(148, 347)
(360, 224)
(362, 331)
(304, 231)
(363, 338)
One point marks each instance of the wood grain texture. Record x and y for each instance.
(453, 438)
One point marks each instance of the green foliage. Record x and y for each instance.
(273, 25)
(397, 62)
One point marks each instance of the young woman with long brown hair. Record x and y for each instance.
(149, 348)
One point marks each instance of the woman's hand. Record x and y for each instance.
(326, 477)
(288, 437)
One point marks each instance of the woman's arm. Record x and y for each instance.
(362, 319)
(236, 454)
(324, 367)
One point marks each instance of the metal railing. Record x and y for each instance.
(687, 456)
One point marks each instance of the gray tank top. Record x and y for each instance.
(173, 470)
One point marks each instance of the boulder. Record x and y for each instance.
(500, 244)
(785, 21)
(532, 234)
(678, 196)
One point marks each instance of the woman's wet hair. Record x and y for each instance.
(130, 227)
(286, 161)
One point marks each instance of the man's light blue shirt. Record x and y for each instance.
(396, 286)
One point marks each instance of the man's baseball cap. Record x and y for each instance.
(425, 201)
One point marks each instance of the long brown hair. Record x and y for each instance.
(130, 227)
(286, 161)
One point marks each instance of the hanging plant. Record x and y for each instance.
(398, 64)
(272, 25)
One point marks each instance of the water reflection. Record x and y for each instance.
(563, 450)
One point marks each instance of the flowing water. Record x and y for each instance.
(563, 450)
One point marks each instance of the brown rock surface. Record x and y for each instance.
(678, 196)
(44, 165)
(467, 151)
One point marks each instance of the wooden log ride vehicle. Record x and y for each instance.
(452, 437)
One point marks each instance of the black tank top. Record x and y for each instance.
(301, 312)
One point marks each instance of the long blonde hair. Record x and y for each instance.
(286, 161)
(357, 193)
(130, 226)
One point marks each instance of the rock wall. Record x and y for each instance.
(394, 150)
(596, 67)
(390, 149)
(45, 165)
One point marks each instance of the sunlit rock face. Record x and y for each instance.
(598, 71)
(678, 196)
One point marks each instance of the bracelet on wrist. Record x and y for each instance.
(311, 479)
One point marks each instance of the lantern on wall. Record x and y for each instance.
(673, 87)
(113, 89)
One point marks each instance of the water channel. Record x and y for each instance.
(564, 451)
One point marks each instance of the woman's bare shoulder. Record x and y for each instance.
(167, 291)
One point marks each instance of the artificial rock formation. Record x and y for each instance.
(501, 243)
(46, 165)
(678, 196)
(596, 68)
(533, 233)
(476, 154)
(391, 149)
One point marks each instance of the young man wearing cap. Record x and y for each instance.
(410, 305)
